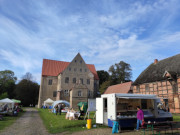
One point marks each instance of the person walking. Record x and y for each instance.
(140, 117)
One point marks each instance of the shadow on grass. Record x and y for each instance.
(58, 124)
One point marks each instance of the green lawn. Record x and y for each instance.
(9, 120)
(176, 117)
(58, 123)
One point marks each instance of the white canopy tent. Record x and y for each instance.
(48, 102)
(7, 101)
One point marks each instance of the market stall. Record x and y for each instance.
(6, 105)
(17, 102)
(83, 106)
(123, 108)
(48, 102)
(64, 103)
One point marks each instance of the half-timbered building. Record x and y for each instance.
(163, 79)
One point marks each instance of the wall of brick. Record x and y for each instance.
(164, 90)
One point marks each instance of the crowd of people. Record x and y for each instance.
(6, 110)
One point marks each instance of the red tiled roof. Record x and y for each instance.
(54, 68)
(93, 70)
(119, 88)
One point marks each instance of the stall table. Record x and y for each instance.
(160, 126)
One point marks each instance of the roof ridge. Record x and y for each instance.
(120, 83)
(64, 61)
(154, 72)
(56, 60)
(168, 58)
(119, 88)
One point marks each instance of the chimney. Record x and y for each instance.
(155, 61)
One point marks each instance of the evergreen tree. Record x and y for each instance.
(104, 86)
(103, 76)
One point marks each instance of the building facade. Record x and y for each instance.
(59, 78)
(163, 79)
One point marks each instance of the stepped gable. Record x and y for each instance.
(54, 68)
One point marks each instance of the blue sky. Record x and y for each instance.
(104, 32)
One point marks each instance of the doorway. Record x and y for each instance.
(105, 107)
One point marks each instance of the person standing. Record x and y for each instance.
(59, 109)
(140, 117)
(56, 109)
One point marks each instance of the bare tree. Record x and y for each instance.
(28, 76)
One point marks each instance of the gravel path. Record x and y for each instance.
(108, 131)
(28, 124)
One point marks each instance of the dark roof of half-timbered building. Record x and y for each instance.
(155, 71)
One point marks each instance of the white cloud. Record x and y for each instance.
(37, 30)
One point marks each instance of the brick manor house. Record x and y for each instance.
(73, 81)
(163, 79)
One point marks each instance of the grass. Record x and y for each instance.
(176, 117)
(58, 123)
(9, 120)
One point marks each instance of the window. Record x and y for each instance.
(50, 82)
(79, 93)
(75, 69)
(89, 93)
(137, 88)
(80, 69)
(147, 87)
(88, 81)
(66, 92)
(85, 70)
(67, 80)
(95, 86)
(81, 79)
(69, 69)
(54, 93)
(75, 60)
(80, 61)
(74, 80)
